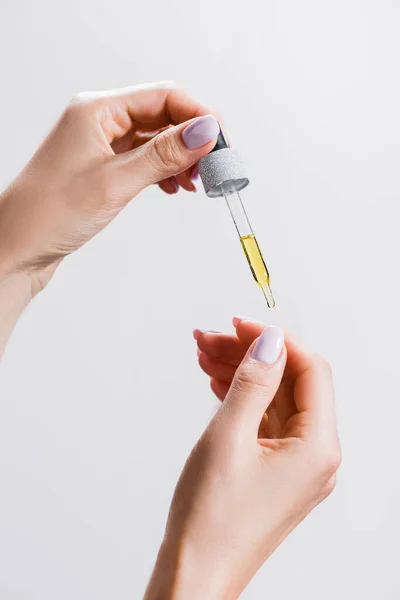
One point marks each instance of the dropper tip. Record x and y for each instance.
(268, 296)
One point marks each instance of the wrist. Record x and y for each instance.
(22, 264)
(21, 286)
(15, 295)
(180, 573)
(16, 289)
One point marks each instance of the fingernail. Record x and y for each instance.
(198, 332)
(236, 320)
(269, 345)
(175, 186)
(200, 132)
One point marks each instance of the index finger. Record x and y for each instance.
(157, 105)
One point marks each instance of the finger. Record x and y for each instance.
(131, 139)
(220, 388)
(311, 378)
(257, 378)
(149, 106)
(221, 346)
(169, 186)
(185, 181)
(134, 138)
(160, 104)
(189, 179)
(141, 136)
(300, 361)
(216, 368)
(168, 154)
(285, 406)
(274, 423)
(247, 330)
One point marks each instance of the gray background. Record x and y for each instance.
(101, 396)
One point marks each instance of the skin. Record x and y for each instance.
(266, 460)
(270, 454)
(105, 149)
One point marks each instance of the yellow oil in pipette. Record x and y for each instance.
(222, 174)
(248, 240)
(257, 266)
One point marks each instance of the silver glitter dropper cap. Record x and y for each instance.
(222, 164)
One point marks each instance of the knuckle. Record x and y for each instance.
(250, 379)
(167, 153)
(77, 98)
(76, 108)
(84, 102)
(165, 84)
(78, 101)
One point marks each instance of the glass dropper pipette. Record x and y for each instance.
(222, 174)
(248, 240)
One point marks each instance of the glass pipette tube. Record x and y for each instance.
(248, 240)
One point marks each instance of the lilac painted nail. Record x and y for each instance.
(200, 132)
(269, 345)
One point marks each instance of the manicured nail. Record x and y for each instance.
(198, 332)
(236, 320)
(200, 132)
(175, 185)
(269, 345)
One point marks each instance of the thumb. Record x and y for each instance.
(257, 378)
(171, 152)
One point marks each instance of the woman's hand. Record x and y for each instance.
(105, 149)
(266, 460)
